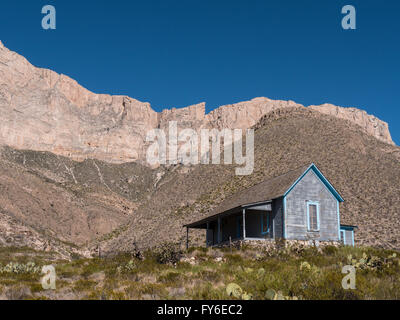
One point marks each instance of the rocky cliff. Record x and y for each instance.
(45, 111)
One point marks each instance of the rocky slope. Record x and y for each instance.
(363, 169)
(49, 202)
(44, 111)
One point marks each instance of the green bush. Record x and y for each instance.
(168, 253)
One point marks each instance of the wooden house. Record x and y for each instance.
(298, 205)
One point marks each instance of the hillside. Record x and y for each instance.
(49, 202)
(364, 170)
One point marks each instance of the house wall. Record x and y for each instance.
(311, 188)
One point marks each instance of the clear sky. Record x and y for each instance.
(174, 53)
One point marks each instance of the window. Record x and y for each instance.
(265, 222)
(312, 216)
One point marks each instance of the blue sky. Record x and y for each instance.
(174, 53)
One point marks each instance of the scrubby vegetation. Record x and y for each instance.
(198, 273)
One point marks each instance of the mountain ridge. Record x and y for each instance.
(46, 111)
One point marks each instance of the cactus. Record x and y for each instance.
(246, 296)
(128, 267)
(279, 296)
(371, 262)
(234, 290)
(270, 294)
(20, 268)
(260, 272)
(305, 266)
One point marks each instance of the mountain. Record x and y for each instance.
(73, 175)
(44, 111)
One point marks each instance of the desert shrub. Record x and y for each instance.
(208, 292)
(234, 258)
(135, 252)
(168, 253)
(84, 285)
(170, 277)
(20, 268)
(330, 250)
(129, 267)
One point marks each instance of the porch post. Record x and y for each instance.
(219, 230)
(187, 238)
(207, 240)
(244, 224)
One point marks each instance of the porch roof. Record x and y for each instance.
(201, 224)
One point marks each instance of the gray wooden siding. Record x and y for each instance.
(311, 188)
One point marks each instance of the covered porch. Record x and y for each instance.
(250, 222)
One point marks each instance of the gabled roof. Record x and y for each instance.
(266, 191)
(325, 181)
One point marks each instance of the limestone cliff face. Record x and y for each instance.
(45, 111)
(42, 110)
(370, 124)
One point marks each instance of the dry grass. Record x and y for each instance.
(256, 272)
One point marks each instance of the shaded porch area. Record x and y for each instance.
(252, 222)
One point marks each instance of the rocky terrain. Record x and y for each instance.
(45, 111)
(73, 177)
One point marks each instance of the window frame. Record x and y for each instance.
(316, 204)
(268, 214)
(343, 236)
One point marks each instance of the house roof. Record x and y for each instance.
(265, 191)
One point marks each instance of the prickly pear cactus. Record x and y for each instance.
(270, 294)
(305, 266)
(246, 296)
(234, 290)
(260, 272)
(20, 268)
